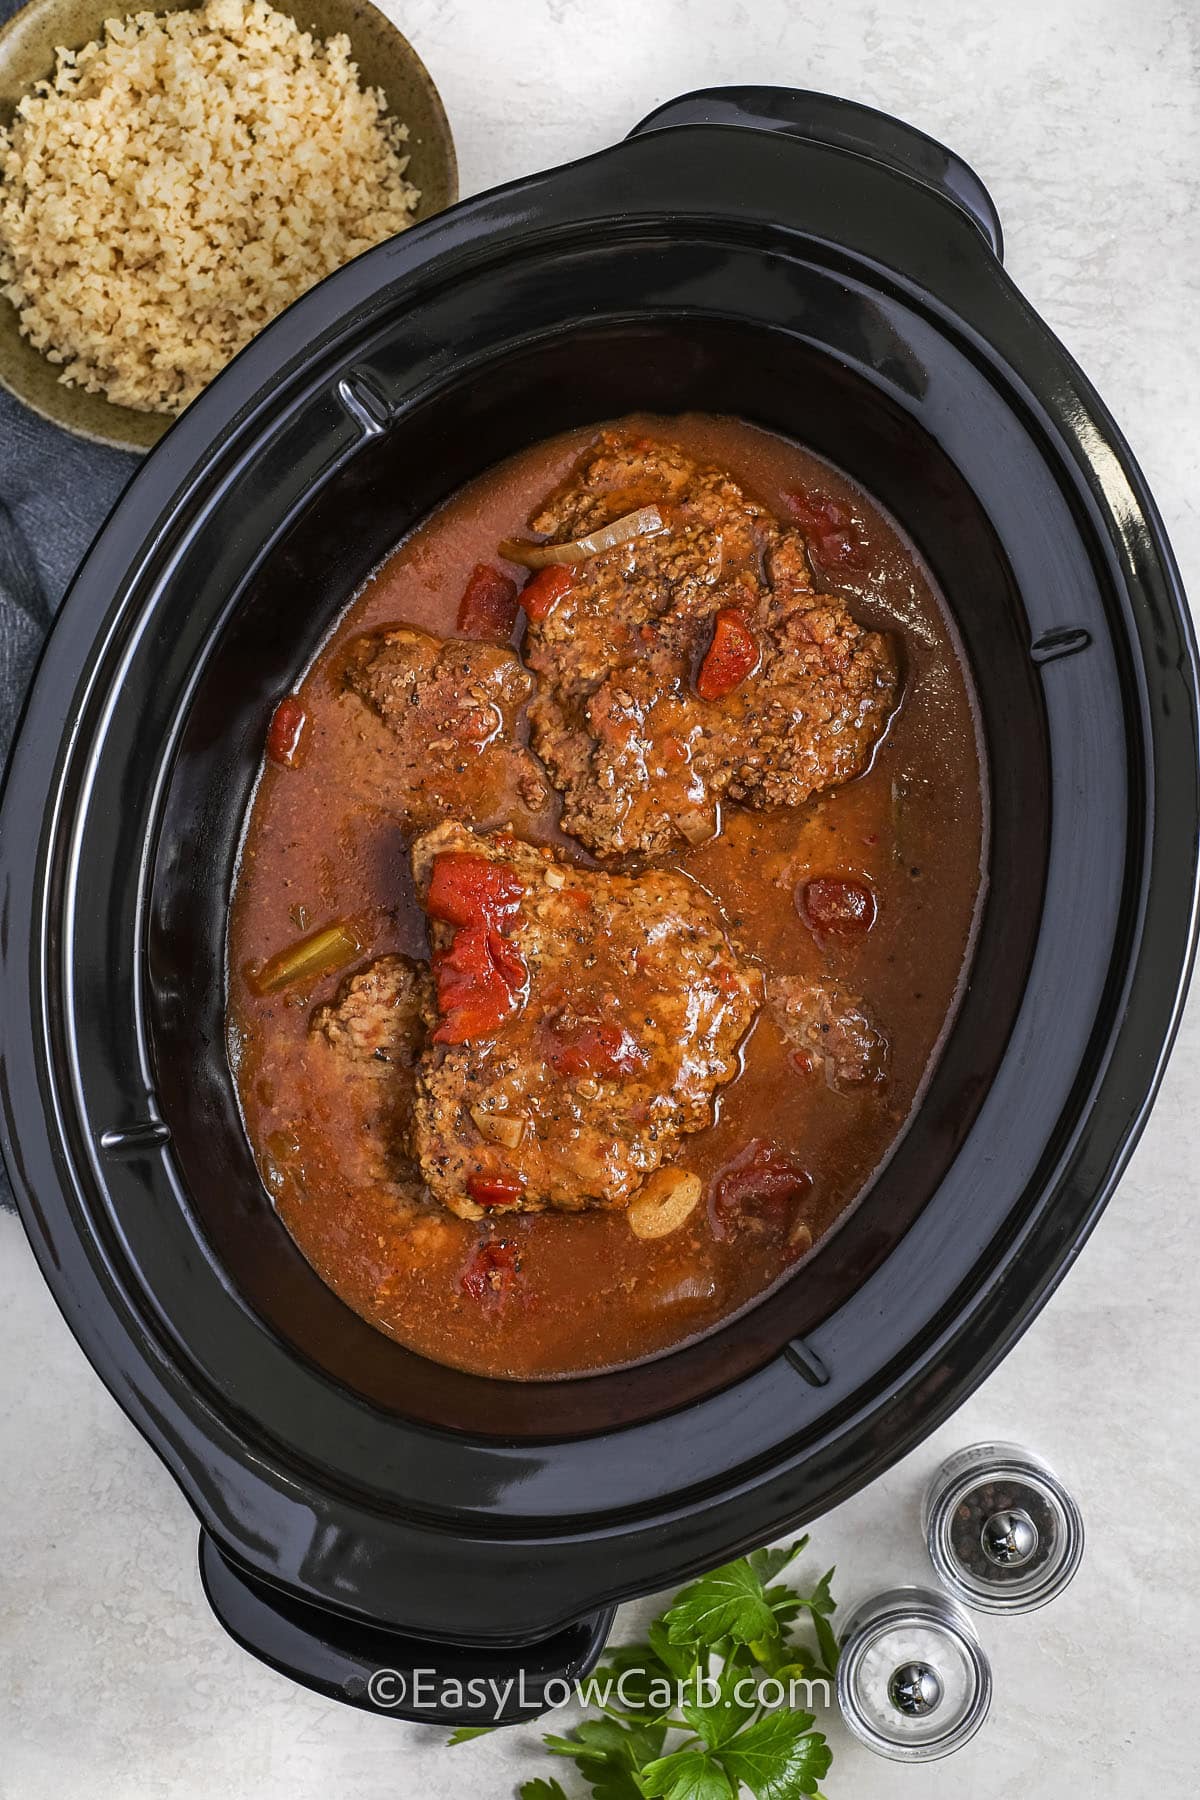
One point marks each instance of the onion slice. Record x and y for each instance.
(642, 523)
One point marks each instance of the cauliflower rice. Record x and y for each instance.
(179, 183)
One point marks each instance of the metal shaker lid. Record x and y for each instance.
(1003, 1533)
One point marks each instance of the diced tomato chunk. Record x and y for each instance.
(480, 976)
(836, 905)
(470, 890)
(760, 1190)
(494, 1190)
(589, 1048)
(491, 1272)
(286, 731)
(480, 980)
(542, 593)
(488, 608)
(829, 529)
(508, 959)
(732, 655)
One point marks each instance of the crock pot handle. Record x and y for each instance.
(824, 119)
(399, 1677)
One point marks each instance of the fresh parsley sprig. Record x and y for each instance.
(716, 1738)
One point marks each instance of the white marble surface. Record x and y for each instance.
(1083, 116)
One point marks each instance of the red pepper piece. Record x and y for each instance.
(732, 655)
(589, 1048)
(494, 1190)
(829, 529)
(542, 593)
(470, 890)
(837, 906)
(488, 608)
(285, 732)
(491, 1272)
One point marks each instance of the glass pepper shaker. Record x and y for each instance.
(1003, 1533)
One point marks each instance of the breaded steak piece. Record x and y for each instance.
(694, 663)
(373, 1032)
(583, 1024)
(451, 707)
(377, 1021)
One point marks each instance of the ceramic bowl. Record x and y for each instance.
(385, 60)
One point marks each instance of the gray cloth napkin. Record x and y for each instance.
(55, 493)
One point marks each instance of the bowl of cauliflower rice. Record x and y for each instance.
(171, 180)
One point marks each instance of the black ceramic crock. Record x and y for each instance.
(823, 271)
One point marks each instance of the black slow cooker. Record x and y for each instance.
(820, 270)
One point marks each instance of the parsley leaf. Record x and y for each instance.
(608, 1740)
(729, 1603)
(642, 1672)
(718, 1718)
(767, 1564)
(609, 1754)
(676, 1659)
(799, 1664)
(462, 1734)
(827, 1639)
(819, 1604)
(778, 1758)
(676, 1731)
(821, 1600)
(687, 1775)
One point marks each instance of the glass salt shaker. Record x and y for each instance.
(913, 1682)
(1003, 1533)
